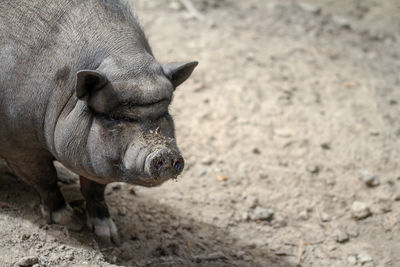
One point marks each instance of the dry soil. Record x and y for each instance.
(291, 136)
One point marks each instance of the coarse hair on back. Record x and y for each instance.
(119, 8)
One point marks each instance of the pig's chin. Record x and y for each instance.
(147, 182)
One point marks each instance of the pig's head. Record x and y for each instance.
(130, 136)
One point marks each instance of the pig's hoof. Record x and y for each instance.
(64, 216)
(104, 229)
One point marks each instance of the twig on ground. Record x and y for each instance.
(305, 243)
(319, 217)
(193, 12)
(300, 252)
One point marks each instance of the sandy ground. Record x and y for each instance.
(291, 135)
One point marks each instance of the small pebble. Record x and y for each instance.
(385, 206)
(352, 260)
(396, 197)
(245, 216)
(325, 217)
(360, 210)
(70, 256)
(263, 214)
(316, 10)
(283, 252)
(303, 215)
(240, 254)
(326, 146)
(312, 168)
(25, 236)
(342, 22)
(331, 247)
(275, 246)
(27, 261)
(279, 223)
(208, 161)
(251, 202)
(283, 133)
(364, 257)
(369, 178)
(247, 258)
(174, 5)
(340, 235)
(352, 230)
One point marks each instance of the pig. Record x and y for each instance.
(79, 84)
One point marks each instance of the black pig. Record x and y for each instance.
(79, 84)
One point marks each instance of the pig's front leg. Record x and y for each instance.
(98, 217)
(40, 173)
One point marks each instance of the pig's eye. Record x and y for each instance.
(133, 112)
(119, 118)
(113, 118)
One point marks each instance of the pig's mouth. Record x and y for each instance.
(148, 182)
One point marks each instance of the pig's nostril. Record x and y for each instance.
(159, 164)
(177, 165)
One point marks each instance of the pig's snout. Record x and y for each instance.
(164, 163)
(151, 167)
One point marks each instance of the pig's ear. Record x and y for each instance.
(177, 72)
(88, 82)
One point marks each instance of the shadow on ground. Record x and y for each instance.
(151, 234)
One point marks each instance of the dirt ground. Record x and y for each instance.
(291, 136)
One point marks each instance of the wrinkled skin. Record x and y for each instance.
(79, 84)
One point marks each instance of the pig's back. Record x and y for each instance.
(43, 43)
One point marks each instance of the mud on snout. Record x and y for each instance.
(152, 160)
